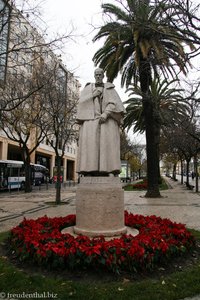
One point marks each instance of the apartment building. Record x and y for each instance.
(23, 54)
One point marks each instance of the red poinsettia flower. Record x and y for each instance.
(42, 241)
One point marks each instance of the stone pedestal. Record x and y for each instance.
(100, 207)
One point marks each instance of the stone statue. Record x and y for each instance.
(100, 112)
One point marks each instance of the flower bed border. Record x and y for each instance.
(42, 242)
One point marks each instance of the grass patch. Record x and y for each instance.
(142, 186)
(177, 280)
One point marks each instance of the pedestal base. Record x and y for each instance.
(100, 207)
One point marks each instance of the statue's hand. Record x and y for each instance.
(97, 93)
(102, 118)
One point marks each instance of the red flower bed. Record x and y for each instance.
(42, 242)
(138, 186)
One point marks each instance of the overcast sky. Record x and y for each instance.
(82, 15)
(61, 16)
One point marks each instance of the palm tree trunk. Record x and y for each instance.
(152, 132)
(152, 157)
(157, 137)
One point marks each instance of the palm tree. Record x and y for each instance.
(138, 41)
(171, 107)
(170, 104)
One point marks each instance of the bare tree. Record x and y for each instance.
(24, 53)
(19, 122)
(184, 17)
(23, 43)
(59, 104)
(132, 151)
(180, 143)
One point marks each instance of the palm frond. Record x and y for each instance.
(114, 10)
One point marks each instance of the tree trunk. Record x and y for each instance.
(187, 170)
(174, 171)
(152, 147)
(152, 161)
(152, 132)
(157, 137)
(181, 171)
(196, 174)
(58, 183)
(27, 169)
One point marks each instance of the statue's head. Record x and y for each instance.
(99, 75)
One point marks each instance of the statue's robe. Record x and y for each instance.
(99, 144)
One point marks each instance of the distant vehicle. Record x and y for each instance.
(12, 174)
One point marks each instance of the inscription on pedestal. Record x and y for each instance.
(100, 180)
(100, 207)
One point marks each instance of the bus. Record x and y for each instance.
(12, 174)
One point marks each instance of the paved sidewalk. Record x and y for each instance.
(177, 203)
(16, 206)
